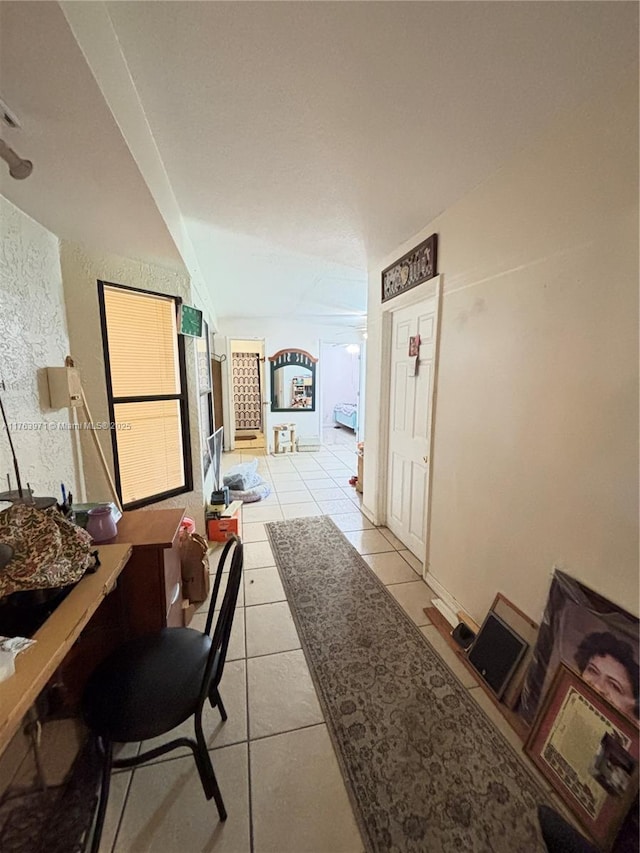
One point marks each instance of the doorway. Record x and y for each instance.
(411, 395)
(341, 411)
(247, 392)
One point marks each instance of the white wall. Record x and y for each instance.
(535, 457)
(33, 335)
(286, 334)
(341, 378)
(81, 269)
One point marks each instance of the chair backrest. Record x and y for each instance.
(224, 622)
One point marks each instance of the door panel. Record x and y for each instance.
(410, 424)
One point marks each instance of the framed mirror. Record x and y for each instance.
(293, 381)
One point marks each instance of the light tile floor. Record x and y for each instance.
(274, 760)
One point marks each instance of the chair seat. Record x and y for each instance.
(148, 686)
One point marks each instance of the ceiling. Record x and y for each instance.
(85, 185)
(302, 140)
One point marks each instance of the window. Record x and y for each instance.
(146, 387)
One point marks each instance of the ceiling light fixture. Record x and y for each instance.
(18, 167)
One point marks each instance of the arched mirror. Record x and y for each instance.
(293, 381)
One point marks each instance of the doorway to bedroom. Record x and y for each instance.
(247, 381)
(342, 375)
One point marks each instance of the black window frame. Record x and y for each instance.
(182, 397)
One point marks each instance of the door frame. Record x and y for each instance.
(230, 434)
(430, 289)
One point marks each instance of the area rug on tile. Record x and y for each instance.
(425, 768)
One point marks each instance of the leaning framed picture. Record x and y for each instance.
(591, 634)
(588, 751)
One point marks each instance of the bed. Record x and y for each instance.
(346, 414)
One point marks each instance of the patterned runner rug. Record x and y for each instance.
(425, 768)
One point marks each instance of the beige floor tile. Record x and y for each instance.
(281, 694)
(342, 474)
(449, 656)
(167, 811)
(333, 464)
(368, 541)
(300, 496)
(263, 586)
(270, 629)
(347, 457)
(118, 790)
(286, 477)
(292, 485)
(397, 544)
(257, 555)
(413, 597)
(322, 482)
(254, 532)
(280, 464)
(305, 510)
(336, 507)
(236, 648)
(306, 465)
(300, 806)
(203, 606)
(413, 561)
(233, 689)
(347, 521)
(255, 512)
(334, 494)
(390, 567)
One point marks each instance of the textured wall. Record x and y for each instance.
(33, 335)
(81, 269)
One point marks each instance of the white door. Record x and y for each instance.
(410, 424)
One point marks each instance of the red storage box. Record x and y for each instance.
(219, 529)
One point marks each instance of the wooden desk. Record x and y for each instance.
(151, 585)
(36, 665)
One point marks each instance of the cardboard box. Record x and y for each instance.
(359, 481)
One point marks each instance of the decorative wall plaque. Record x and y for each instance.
(418, 265)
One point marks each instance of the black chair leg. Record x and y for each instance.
(107, 749)
(206, 771)
(216, 702)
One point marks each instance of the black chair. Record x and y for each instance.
(154, 683)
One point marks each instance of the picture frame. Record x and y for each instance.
(588, 751)
(578, 626)
(523, 625)
(496, 652)
(412, 269)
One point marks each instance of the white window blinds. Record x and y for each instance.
(146, 395)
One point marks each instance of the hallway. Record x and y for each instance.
(274, 759)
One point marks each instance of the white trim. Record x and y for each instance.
(446, 611)
(432, 425)
(369, 514)
(442, 592)
(431, 289)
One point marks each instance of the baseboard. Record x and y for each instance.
(442, 592)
